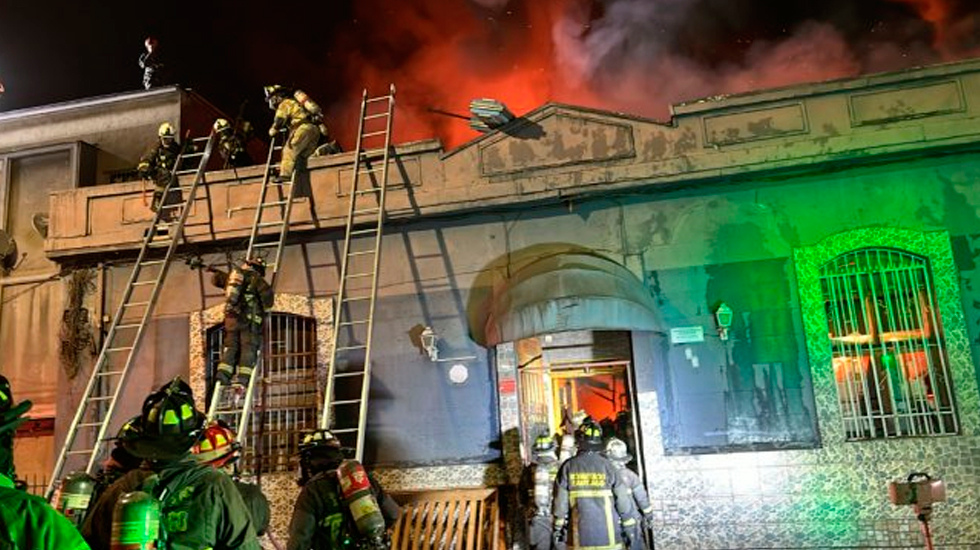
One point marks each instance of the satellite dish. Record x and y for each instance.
(8, 251)
(39, 222)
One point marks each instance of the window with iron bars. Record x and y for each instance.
(889, 357)
(285, 403)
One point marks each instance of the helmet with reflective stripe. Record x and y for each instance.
(274, 90)
(544, 444)
(258, 264)
(218, 445)
(11, 416)
(169, 425)
(318, 439)
(590, 436)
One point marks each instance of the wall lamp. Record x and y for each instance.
(723, 318)
(458, 373)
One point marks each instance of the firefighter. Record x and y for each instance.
(248, 297)
(199, 505)
(231, 142)
(219, 448)
(27, 522)
(119, 463)
(618, 453)
(568, 444)
(321, 518)
(537, 487)
(588, 491)
(157, 164)
(301, 123)
(152, 64)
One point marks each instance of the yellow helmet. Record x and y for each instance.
(165, 130)
(221, 125)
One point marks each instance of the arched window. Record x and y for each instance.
(286, 401)
(889, 358)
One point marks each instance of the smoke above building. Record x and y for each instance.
(634, 56)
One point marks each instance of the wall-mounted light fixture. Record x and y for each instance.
(723, 319)
(430, 343)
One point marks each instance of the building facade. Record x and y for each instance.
(772, 297)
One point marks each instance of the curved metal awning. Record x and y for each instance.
(565, 292)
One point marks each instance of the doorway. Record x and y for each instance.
(589, 371)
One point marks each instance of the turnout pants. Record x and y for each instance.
(240, 351)
(302, 140)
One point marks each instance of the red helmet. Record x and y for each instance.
(217, 446)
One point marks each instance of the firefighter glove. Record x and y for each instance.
(273, 131)
(558, 532)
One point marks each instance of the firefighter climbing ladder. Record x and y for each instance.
(273, 211)
(348, 381)
(87, 433)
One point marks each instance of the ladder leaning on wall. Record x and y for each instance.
(349, 372)
(269, 229)
(86, 437)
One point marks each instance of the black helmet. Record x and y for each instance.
(169, 425)
(589, 436)
(318, 440)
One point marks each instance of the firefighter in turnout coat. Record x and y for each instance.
(617, 452)
(590, 501)
(537, 487)
(157, 165)
(248, 297)
(304, 132)
(200, 507)
(27, 522)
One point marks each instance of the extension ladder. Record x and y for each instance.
(349, 372)
(86, 437)
(272, 211)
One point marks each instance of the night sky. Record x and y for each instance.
(635, 56)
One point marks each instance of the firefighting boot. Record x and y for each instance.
(243, 376)
(224, 374)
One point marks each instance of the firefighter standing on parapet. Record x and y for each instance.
(536, 489)
(199, 505)
(231, 143)
(27, 522)
(158, 163)
(154, 69)
(302, 118)
(248, 297)
(340, 505)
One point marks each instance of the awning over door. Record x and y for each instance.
(571, 291)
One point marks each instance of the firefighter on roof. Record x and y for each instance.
(154, 70)
(231, 142)
(297, 114)
(27, 522)
(219, 448)
(536, 488)
(157, 165)
(590, 501)
(248, 297)
(199, 506)
(618, 453)
(332, 490)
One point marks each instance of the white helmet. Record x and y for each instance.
(165, 130)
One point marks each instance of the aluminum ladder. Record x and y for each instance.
(349, 372)
(273, 210)
(86, 437)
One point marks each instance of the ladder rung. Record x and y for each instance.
(346, 402)
(348, 348)
(356, 299)
(199, 139)
(273, 203)
(343, 430)
(136, 304)
(367, 231)
(268, 224)
(377, 99)
(360, 253)
(372, 134)
(265, 245)
(360, 275)
(193, 155)
(373, 152)
(120, 348)
(151, 262)
(348, 374)
(162, 243)
(89, 425)
(110, 373)
(366, 191)
(370, 170)
(186, 172)
(378, 115)
(81, 452)
(172, 206)
(352, 323)
(144, 283)
(131, 325)
(227, 411)
(367, 211)
(100, 398)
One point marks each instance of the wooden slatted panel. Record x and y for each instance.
(465, 519)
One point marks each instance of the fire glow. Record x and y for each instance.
(619, 55)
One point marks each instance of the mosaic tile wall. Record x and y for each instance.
(835, 496)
